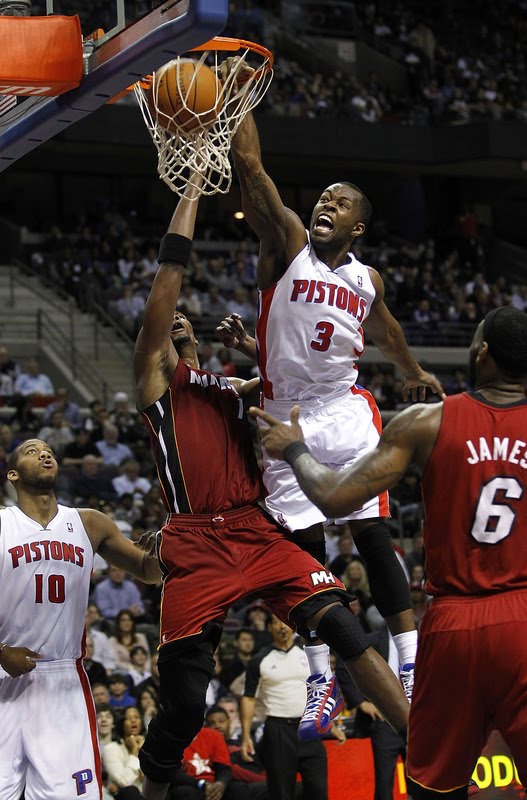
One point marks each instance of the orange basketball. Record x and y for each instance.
(185, 96)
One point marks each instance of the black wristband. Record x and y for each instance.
(294, 451)
(175, 249)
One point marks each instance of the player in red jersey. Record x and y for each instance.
(219, 544)
(471, 670)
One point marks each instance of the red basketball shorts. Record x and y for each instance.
(214, 561)
(470, 677)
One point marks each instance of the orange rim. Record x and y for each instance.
(217, 43)
(229, 43)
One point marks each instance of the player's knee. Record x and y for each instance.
(342, 632)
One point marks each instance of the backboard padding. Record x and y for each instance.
(169, 30)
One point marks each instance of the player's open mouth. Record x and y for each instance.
(323, 223)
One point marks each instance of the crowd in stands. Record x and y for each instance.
(462, 64)
(436, 287)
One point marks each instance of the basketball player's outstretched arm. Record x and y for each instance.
(108, 540)
(408, 438)
(155, 357)
(388, 336)
(280, 231)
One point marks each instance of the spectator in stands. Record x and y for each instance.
(189, 300)
(205, 770)
(127, 637)
(24, 420)
(92, 421)
(120, 758)
(81, 446)
(355, 579)
(94, 669)
(251, 774)
(129, 309)
(243, 651)
(416, 556)
(138, 670)
(214, 304)
(116, 593)
(70, 411)
(129, 481)
(125, 420)
(147, 704)
(57, 433)
(241, 305)
(256, 619)
(6, 387)
(101, 693)
(230, 704)
(127, 511)
(105, 724)
(92, 482)
(33, 382)
(208, 359)
(111, 449)
(120, 683)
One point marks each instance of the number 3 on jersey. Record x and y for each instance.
(323, 340)
(494, 519)
(54, 590)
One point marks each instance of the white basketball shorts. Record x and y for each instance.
(48, 735)
(337, 433)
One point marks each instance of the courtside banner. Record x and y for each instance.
(496, 773)
(40, 55)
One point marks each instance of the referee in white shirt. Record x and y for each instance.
(278, 674)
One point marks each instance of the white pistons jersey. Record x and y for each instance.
(309, 330)
(45, 580)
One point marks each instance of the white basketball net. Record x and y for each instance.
(205, 150)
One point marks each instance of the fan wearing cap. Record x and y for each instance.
(471, 669)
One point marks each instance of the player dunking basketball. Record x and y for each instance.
(471, 670)
(48, 740)
(316, 299)
(219, 544)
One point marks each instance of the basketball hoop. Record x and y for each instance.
(204, 146)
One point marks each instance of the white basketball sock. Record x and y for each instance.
(318, 659)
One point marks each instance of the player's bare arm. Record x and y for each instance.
(155, 357)
(280, 231)
(388, 336)
(108, 540)
(408, 438)
(232, 334)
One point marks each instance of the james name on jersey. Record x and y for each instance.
(497, 449)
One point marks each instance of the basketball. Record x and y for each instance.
(185, 96)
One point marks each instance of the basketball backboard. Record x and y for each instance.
(139, 36)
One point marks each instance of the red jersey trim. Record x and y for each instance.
(266, 298)
(384, 503)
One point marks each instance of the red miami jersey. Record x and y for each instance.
(309, 330)
(202, 445)
(474, 491)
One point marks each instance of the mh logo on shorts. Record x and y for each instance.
(322, 577)
(82, 778)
